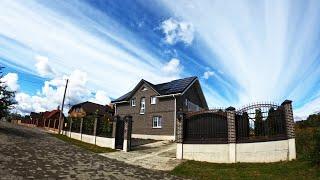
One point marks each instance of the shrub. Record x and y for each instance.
(315, 155)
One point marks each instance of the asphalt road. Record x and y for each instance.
(28, 153)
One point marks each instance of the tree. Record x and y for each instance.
(258, 131)
(6, 97)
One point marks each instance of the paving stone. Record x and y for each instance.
(31, 153)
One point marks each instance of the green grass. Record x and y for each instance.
(87, 146)
(282, 170)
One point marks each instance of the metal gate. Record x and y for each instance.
(206, 127)
(119, 134)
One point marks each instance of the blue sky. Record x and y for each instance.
(242, 51)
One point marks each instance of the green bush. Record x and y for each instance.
(88, 124)
(315, 155)
(104, 127)
(76, 125)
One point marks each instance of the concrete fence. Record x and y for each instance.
(233, 152)
(96, 140)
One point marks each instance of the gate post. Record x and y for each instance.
(231, 116)
(114, 129)
(127, 133)
(287, 106)
(180, 126)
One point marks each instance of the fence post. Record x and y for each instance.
(180, 125)
(287, 106)
(231, 116)
(70, 128)
(54, 124)
(49, 123)
(127, 133)
(95, 129)
(81, 128)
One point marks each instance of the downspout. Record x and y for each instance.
(175, 117)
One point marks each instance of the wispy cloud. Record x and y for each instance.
(267, 47)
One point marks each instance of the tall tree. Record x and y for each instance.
(6, 97)
(258, 131)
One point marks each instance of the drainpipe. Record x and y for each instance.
(175, 116)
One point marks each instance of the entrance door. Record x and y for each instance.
(119, 134)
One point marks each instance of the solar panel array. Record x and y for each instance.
(172, 87)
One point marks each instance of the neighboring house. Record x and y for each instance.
(154, 107)
(51, 118)
(89, 108)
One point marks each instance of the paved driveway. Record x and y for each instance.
(159, 155)
(27, 153)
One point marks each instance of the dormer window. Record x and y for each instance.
(153, 100)
(133, 102)
(142, 105)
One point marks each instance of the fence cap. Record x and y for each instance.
(286, 102)
(231, 108)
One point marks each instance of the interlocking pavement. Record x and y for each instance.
(29, 153)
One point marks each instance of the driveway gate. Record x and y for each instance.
(119, 134)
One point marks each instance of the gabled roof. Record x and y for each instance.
(168, 88)
(90, 107)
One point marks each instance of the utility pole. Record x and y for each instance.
(61, 119)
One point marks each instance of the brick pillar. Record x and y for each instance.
(287, 106)
(114, 126)
(288, 113)
(127, 133)
(231, 118)
(180, 125)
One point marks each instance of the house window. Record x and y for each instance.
(186, 102)
(133, 102)
(142, 105)
(144, 89)
(153, 100)
(156, 122)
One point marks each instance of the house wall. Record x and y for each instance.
(75, 114)
(192, 95)
(142, 123)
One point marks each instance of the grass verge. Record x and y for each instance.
(282, 170)
(87, 146)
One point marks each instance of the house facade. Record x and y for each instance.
(154, 107)
(89, 108)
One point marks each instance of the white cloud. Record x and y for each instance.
(104, 51)
(307, 109)
(101, 97)
(208, 74)
(11, 80)
(254, 48)
(43, 67)
(172, 68)
(177, 31)
(51, 94)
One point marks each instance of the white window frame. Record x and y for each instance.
(133, 102)
(142, 105)
(153, 100)
(156, 122)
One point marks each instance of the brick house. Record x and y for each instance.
(89, 108)
(154, 107)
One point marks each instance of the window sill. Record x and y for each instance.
(156, 127)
